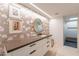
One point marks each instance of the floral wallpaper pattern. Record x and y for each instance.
(27, 35)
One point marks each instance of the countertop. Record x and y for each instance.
(38, 38)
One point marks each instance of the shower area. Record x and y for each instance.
(70, 31)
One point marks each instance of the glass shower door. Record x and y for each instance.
(70, 31)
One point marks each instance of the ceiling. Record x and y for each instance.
(35, 9)
(59, 9)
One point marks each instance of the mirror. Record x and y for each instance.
(38, 25)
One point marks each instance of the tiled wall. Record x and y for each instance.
(13, 40)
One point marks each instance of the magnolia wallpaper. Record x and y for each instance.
(22, 32)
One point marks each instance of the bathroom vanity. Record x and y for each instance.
(35, 48)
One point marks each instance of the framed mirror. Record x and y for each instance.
(38, 25)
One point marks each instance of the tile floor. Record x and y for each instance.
(65, 51)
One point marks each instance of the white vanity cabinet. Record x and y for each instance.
(38, 48)
(42, 47)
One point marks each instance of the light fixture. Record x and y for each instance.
(56, 13)
(73, 18)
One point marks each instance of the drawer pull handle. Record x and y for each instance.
(32, 52)
(32, 45)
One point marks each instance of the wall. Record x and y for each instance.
(56, 29)
(78, 34)
(13, 40)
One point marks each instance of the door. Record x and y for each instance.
(70, 31)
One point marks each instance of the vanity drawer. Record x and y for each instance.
(40, 51)
(24, 50)
(41, 48)
(32, 48)
(38, 48)
(20, 52)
